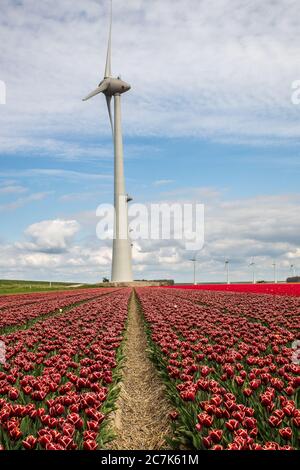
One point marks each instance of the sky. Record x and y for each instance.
(209, 118)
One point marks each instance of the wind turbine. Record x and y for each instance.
(227, 270)
(275, 272)
(293, 270)
(252, 264)
(115, 87)
(194, 260)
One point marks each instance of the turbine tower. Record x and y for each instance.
(293, 270)
(194, 260)
(252, 264)
(275, 272)
(227, 270)
(115, 87)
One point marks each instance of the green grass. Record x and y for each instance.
(22, 287)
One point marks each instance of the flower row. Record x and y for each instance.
(17, 315)
(232, 377)
(58, 383)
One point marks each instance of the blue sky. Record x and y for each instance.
(209, 118)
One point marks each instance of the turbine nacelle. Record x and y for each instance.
(110, 87)
(115, 86)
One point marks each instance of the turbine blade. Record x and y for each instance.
(108, 102)
(102, 87)
(107, 73)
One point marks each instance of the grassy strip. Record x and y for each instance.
(25, 287)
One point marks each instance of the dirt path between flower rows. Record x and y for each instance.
(141, 421)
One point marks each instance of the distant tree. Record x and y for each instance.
(105, 279)
(293, 279)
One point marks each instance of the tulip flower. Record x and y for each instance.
(232, 425)
(90, 445)
(173, 415)
(29, 443)
(207, 442)
(216, 435)
(13, 394)
(286, 433)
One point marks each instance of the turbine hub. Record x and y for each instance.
(115, 86)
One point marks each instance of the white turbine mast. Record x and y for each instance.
(275, 271)
(252, 264)
(115, 87)
(194, 261)
(227, 270)
(293, 270)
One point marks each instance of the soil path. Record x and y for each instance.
(141, 421)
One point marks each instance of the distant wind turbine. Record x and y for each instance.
(227, 270)
(194, 260)
(115, 87)
(275, 272)
(293, 270)
(252, 264)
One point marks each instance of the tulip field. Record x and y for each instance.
(227, 360)
(19, 311)
(261, 288)
(55, 387)
(229, 366)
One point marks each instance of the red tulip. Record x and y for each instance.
(15, 434)
(68, 430)
(66, 442)
(90, 445)
(173, 415)
(205, 419)
(95, 415)
(29, 443)
(233, 446)
(13, 394)
(254, 384)
(271, 446)
(207, 442)
(275, 421)
(205, 371)
(296, 422)
(286, 433)
(232, 425)
(239, 380)
(75, 419)
(279, 414)
(250, 423)
(216, 435)
(217, 447)
(288, 410)
(93, 426)
(256, 446)
(90, 435)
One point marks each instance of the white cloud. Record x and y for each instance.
(23, 201)
(227, 72)
(56, 173)
(162, 182)
(12, 189)
(263, 228)
(51, 236)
